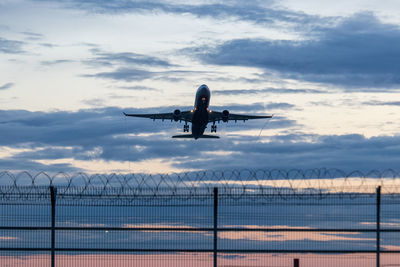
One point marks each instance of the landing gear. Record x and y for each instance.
(213, 128)
(185, 128)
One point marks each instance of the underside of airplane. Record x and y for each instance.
(199, 116)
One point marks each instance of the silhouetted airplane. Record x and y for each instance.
(199, 116)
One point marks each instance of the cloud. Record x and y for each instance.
(22, 163)
(6, 86)
(4, 27)
(104, 134)
(131, 74)
(279, 106)
(55, 62)
(267, 90)
(128, 67)
(259, 108)
(382, 103)
(109, 59)
(94, 102)
(138, 88)
(359, 52)
(348, 152)
(48, 45)
(124, 74)
(32, 36)
(259, 12)
(289, 236)
(253, 107)
(10, 46)
(62, 134)
(61, 127)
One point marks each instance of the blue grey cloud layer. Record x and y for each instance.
(101, 134)
(360, 51)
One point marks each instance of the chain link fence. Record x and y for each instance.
(240, 218)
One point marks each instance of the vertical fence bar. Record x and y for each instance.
(378, 225)
(215, 224)
(53, 192)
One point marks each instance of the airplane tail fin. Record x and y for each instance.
(191, 136)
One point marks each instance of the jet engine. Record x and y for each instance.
(177, 115)
(225, 115)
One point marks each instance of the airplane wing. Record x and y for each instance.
(183, 116)
(220, 116)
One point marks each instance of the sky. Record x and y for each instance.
(327, 70)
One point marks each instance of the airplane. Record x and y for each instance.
(199, 116)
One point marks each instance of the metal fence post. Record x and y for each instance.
(215, 224)
(378, 225)
(53, 192)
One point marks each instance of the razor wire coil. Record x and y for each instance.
(235, 183)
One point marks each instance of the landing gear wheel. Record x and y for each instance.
(185, 128)
(213, 128)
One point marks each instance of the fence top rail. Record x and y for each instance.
(312, 181)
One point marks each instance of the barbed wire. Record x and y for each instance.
(295, 180)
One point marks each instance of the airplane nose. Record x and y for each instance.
(204, 89)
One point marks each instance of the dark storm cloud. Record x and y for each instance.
(359, 52)
(6, 86)
(10, 46)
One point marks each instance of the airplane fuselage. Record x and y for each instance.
(200, 111)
